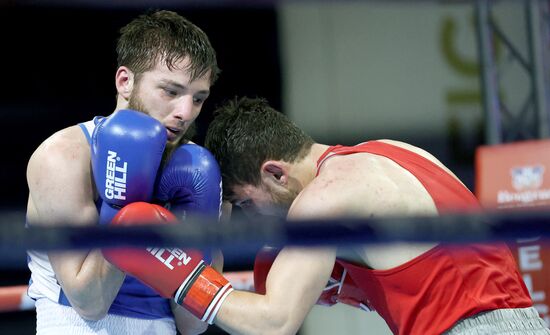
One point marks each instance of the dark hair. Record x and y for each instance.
(245, 133)
(167, 36)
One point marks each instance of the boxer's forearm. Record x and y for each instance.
(88, 280)
(294, 283)
(246, 313)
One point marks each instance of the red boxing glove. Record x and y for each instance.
(172, 272)
(262, 264)
(342, 289)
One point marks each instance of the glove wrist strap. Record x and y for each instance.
(203, 293)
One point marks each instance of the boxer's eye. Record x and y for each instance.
(170, 92)
(247, 203)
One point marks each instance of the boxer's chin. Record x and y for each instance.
(178, 140)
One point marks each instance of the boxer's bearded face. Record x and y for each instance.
(169, 96)
(264, 199)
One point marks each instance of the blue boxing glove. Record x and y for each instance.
(127, 149)
(190, 183)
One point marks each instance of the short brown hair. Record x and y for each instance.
(167, 36)
(245, 133)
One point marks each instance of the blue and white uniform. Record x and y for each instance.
(137, 309)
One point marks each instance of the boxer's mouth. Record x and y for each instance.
(173, 132)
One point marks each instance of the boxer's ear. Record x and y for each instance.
(124, 82)
(275, 172)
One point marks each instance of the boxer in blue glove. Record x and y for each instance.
(84, 174)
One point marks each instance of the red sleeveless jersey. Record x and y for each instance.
(431, 292)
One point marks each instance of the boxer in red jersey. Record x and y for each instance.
(271, 167)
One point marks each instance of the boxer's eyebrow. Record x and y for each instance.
(180, 86)
(172, 83)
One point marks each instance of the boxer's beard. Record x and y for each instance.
(135, 103)
(282, 200)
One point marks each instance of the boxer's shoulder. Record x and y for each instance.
(59, 179)
(421, 152)
(350, 185)
(65, 151)
(67, 143)
(324, 197)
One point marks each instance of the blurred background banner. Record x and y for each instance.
(448, 76)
